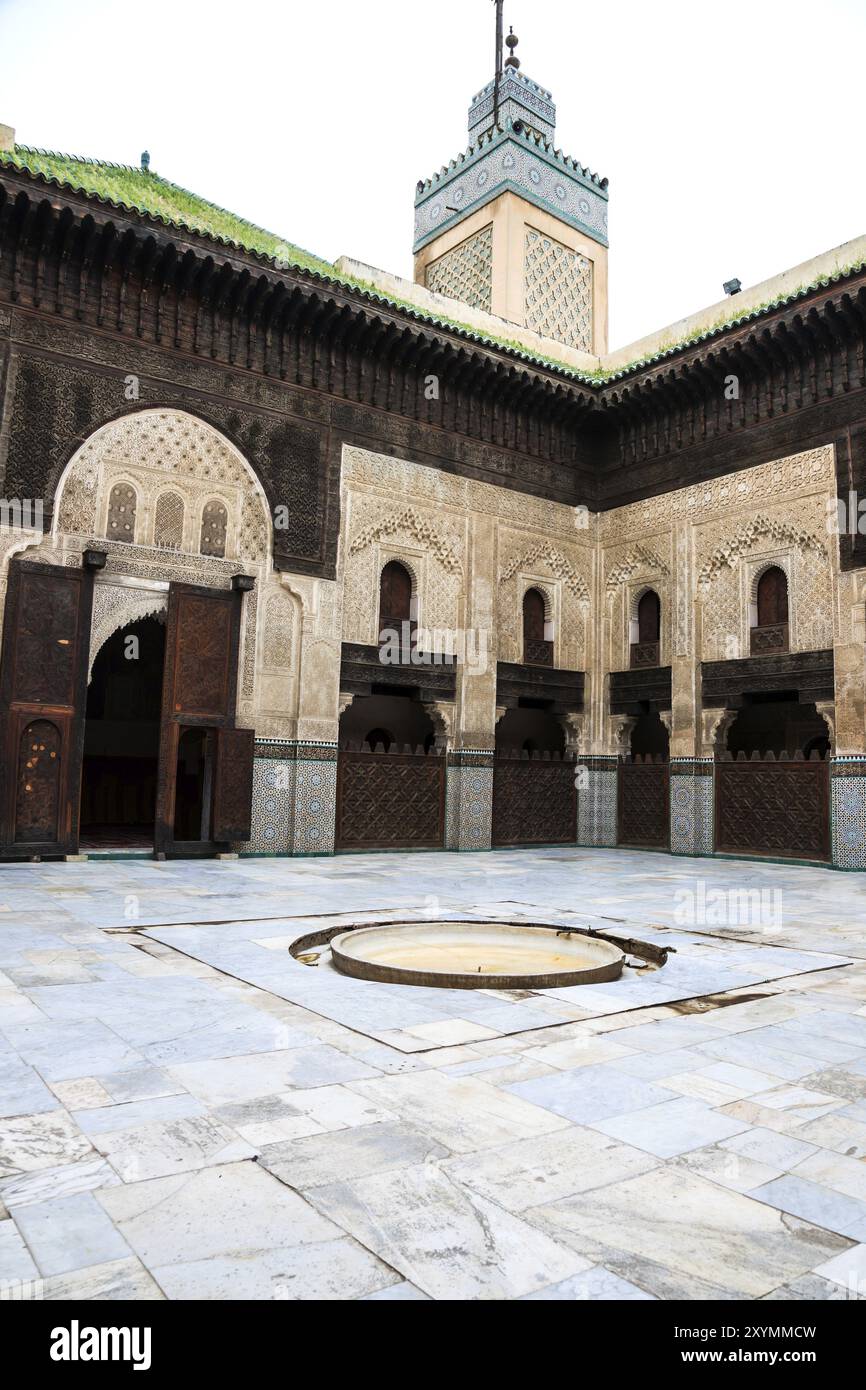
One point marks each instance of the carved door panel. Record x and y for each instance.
(390, 800)
(643, 817)
(198, 710)
(233, 785)
(43, 694)
(778, 808)
(534, 801)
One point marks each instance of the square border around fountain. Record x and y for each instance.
(418, 1019)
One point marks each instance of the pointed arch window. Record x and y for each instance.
(537, 646)
(769, 632)
(395, 597)
(646, 631)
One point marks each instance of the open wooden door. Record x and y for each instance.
(204, 786)
(43, 695)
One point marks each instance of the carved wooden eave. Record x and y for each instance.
(810, 674)
(800, 367)
(254, 303)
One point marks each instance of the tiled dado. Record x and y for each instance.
(294, 798)
(468, 799)
(848, 811)
(596, 801)
(691, 783)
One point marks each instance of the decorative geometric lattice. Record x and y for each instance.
(214, 522)
(557, 291)
(466, 272)
(775, 808)
(122, 503)
(644, 805)
(168, 528)
(388, 800)
(279, 631)
(534, 802)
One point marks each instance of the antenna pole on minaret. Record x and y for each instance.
(498, 71)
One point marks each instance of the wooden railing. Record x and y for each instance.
(772, 638)
(644, 654)
(537, 652)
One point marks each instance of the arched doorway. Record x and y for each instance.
(534, 792)
(121, 739)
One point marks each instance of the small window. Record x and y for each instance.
(168, 526)
(649, 617)
(772, 597)
(122, 504)
(214, 524)
(770, 633)
(537, 650)
(395, 596)
(646, 631)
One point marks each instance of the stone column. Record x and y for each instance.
(469, 776)
(848, 760)
(315, 750)
(597, 772)
(691, 763)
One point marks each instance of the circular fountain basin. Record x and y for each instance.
(476, 955)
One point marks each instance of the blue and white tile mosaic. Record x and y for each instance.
(596, 804)
(469, 804)
(691, 791)
(848, 810)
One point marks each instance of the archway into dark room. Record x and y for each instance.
(121, 739)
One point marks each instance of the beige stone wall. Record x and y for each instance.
(703, 549)
(510, 218)
(473, 550)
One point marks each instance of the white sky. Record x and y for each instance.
(731, 132)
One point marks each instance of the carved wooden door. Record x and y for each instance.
(43, 695)
(204, 786)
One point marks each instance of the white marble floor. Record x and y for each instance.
(187, 1111)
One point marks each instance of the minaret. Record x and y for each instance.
(513, 225)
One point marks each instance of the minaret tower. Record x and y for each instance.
(513, 225)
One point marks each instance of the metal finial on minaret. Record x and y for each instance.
(145, 161)
(512, 41)
(497, 72)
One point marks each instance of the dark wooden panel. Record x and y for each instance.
(562, 691)
(724, 683)
(205, 655)
(199, 689)
(39, 786)
(233, 787)
(390, 800)
(43, 689)
(640, 686)
(433, 675)
(643, 817)
(534, 801)
(773, 807)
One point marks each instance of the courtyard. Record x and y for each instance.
(189, 1111)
